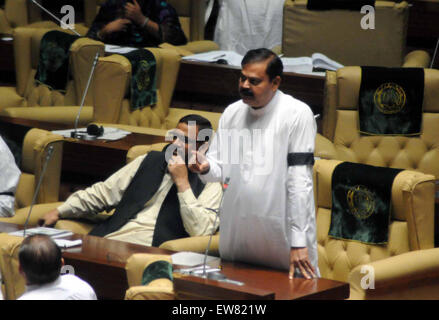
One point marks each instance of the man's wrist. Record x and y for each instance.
(182, 185)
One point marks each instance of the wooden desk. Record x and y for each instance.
(261, 282)
(101, 262)
(212, 87)
(102, 159)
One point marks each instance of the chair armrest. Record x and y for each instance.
(324, 148)
(412, 275)
(192, 47)
(38, 211)
(150, 293)
(55, 114)
(417, 59)
(79, 227)
(193, 244)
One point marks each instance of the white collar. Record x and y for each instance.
(264, 110)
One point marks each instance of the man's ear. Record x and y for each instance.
(276, 83)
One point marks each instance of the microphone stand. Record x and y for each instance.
(217, 214)
(46, 161)
(75, 133)
(56, 18)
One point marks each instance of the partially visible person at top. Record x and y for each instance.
(137, 23)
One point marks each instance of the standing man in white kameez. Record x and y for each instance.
(264, 147)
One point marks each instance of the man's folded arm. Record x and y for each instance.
(198, 215)
(102, 195)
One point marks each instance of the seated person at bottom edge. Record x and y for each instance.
(40, 263)
(137, 23)
(155, 201)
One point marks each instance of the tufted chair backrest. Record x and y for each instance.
(35, 146)
(112, 104)
(14, 282)
(341, 125)
(113, 76)
(411, 224)
(27, 53)
(21, 12)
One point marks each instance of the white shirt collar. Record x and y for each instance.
(264, 110)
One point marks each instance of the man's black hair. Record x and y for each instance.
(275, 66)
(40, 259)
(202, 123)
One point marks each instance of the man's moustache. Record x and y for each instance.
(246, 93)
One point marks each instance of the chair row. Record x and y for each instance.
(337, 33)
(107, 100)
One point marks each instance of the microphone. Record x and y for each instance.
(56, 18)
(75, 133)
(217, 214)
(34, 199)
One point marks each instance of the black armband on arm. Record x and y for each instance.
(300, 158)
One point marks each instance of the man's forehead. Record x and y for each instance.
(184, 127)
(255, 69)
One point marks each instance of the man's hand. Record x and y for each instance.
(49, 219)
(178, 170)
(299, 259)
(198, 162)
(115, 26)
(134, 13)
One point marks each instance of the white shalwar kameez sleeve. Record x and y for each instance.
(9, 176)
(268, 207)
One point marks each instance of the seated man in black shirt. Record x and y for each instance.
(137, 23)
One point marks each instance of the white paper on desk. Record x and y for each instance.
(190, 259)
(232, 58)
(118, 49)
(51, 232)
(111, 134)
(63, 243)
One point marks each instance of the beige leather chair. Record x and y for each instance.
(159, 289)
(13, 283)
(35, 146)
(407, 267)
(338, 35)
(30, 100)
(343, 141)
(191, 15)
(112, 106)
(23, 13)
